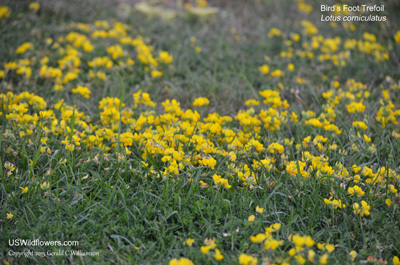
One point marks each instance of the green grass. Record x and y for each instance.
(134, 214)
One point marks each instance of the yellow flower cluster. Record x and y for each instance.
(211, 245)
(84, 91)
(218, 180)
(302, 250)
(199, 102)
(63, 60)
(4, 12)
(362, 209)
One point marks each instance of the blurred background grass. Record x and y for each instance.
(233, 45)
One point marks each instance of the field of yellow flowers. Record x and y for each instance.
(228, 132)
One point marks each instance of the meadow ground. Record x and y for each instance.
(253, 133)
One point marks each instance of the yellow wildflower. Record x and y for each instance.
(24, 190)
(247, 260)
(181, 261)
(259, 209)
(84, 91)
(264, 69)
(34, 6)
(189, 242)
(199, 102)
(251, 218)
(361, 210)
